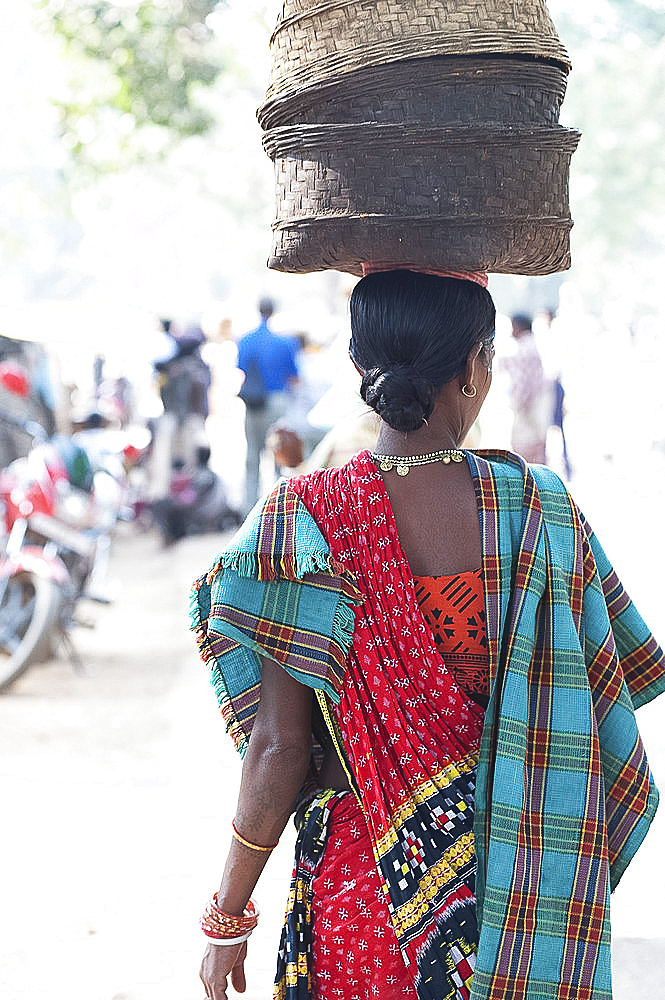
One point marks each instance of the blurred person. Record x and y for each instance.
(315, 376)
(45, 386)
(334, 415)
(220, 352)
(352, 428)
(427, 656)
(197, 502)
(98, 365)
(116, 398)
(530, 393)
(552, 357)
(184, 380)
(350, 435)
(269, 363)
(16, 438)
(34, 397)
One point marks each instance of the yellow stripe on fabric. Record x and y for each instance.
(299, 892)
(422, 793)
(332, 729)
(460, 854)
(294, 972)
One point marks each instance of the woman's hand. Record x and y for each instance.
(220, 962)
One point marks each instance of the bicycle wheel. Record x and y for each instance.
(28, 612)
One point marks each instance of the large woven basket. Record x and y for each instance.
(319, 40)
(419, 133)
(469, 198)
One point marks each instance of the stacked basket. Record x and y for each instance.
(419, 133)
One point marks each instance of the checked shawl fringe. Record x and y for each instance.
(260, 598)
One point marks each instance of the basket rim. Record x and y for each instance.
(340, 61)
(438, 221)
(285, 139)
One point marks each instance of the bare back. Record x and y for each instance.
(436, 514)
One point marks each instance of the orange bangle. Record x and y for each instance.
(225, 928)
(248, 843)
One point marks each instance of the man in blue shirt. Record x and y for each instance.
(269, 364)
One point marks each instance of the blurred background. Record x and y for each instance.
(135, 211)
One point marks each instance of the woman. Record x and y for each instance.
(438, 669)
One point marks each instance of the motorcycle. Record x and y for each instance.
(57, 511)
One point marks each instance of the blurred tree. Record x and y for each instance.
(143, 82)
(616, 98)
(608, 20)
(138, 72)
(648, 19)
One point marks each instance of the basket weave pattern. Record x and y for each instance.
(440, 90)
(438, 172)
(433, 181)
(318, 41)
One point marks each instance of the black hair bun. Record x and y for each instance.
(400, 396)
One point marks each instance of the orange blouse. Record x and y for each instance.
(454, 609)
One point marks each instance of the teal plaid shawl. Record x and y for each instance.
(564, 795)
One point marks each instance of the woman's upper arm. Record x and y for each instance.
(284, 715)
(278, 755)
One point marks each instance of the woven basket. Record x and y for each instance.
(319, 40)
(441, 90)
(468, 197)
(419, 133)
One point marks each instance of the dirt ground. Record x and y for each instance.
(118, 788)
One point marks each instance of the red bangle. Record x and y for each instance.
(217, 924)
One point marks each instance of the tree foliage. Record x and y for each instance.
(616, 98)
(137, 73)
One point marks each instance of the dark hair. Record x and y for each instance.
(411, 333)
(266, 307)
(521, 321)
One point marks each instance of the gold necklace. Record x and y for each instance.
(402, 463)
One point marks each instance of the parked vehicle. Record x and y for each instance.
(57, 512)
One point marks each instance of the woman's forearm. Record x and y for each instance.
(274, 770)
(272, 777)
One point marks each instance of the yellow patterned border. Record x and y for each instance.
(460, 854)
(420, 794)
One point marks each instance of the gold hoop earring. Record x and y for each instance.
(469, 392)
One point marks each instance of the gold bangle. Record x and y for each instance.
(248, 843)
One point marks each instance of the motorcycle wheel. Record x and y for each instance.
(28, 613)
